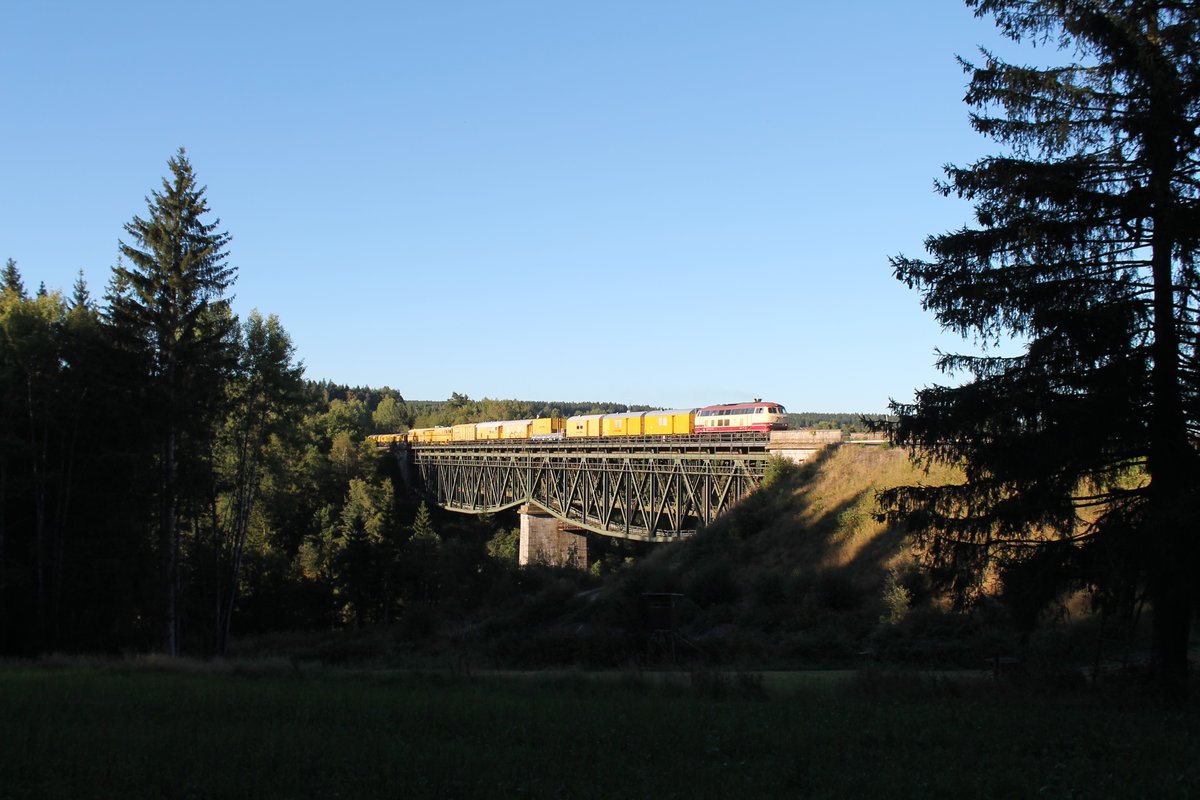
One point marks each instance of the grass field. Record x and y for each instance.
(118, 731)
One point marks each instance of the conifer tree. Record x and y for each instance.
(424, 546)
(1080, 452)
(422, 527)
(12, 278)
(81, 298)
(168, 307)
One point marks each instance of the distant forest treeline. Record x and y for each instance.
(851, 423)
(399, 414)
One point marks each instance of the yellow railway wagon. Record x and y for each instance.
(585, 425)
(547, 426)
(515, 428)
(487, 430)
(628, 423)
(420, 435)
(677, 420)
(442, 434)
(385, 439)
(463, 433)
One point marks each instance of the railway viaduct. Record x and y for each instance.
(647, 488)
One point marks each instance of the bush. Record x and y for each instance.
(896, 600)
(779, 470)
(505, 545)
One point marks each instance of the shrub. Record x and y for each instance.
(896, 600)
(779, 470)
(504, 546)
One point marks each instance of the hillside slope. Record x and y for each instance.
(799, 572)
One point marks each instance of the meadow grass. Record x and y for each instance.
(130, 732)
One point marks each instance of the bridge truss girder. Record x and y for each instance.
(632, 494)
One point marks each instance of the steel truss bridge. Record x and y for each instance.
(649, 488)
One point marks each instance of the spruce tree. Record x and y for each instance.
(168, 307)
(424, 547)
(11, 279)
(81, 298)
(1080, 451)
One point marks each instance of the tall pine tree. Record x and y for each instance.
(1080, 452)
(173, 314)
(10, 279)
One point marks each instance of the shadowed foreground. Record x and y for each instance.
(130, 733)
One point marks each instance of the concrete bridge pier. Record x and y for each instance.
(799, 446)
(545, 539)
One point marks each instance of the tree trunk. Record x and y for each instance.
(170, 545)
(1171, 629)
(1171, 456)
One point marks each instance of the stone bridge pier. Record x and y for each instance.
(546, 539)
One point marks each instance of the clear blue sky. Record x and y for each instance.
(673, 203)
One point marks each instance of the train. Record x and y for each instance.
(754, 415)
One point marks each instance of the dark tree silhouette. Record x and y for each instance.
(1080, 453)
(170, 310)
(10, 279)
